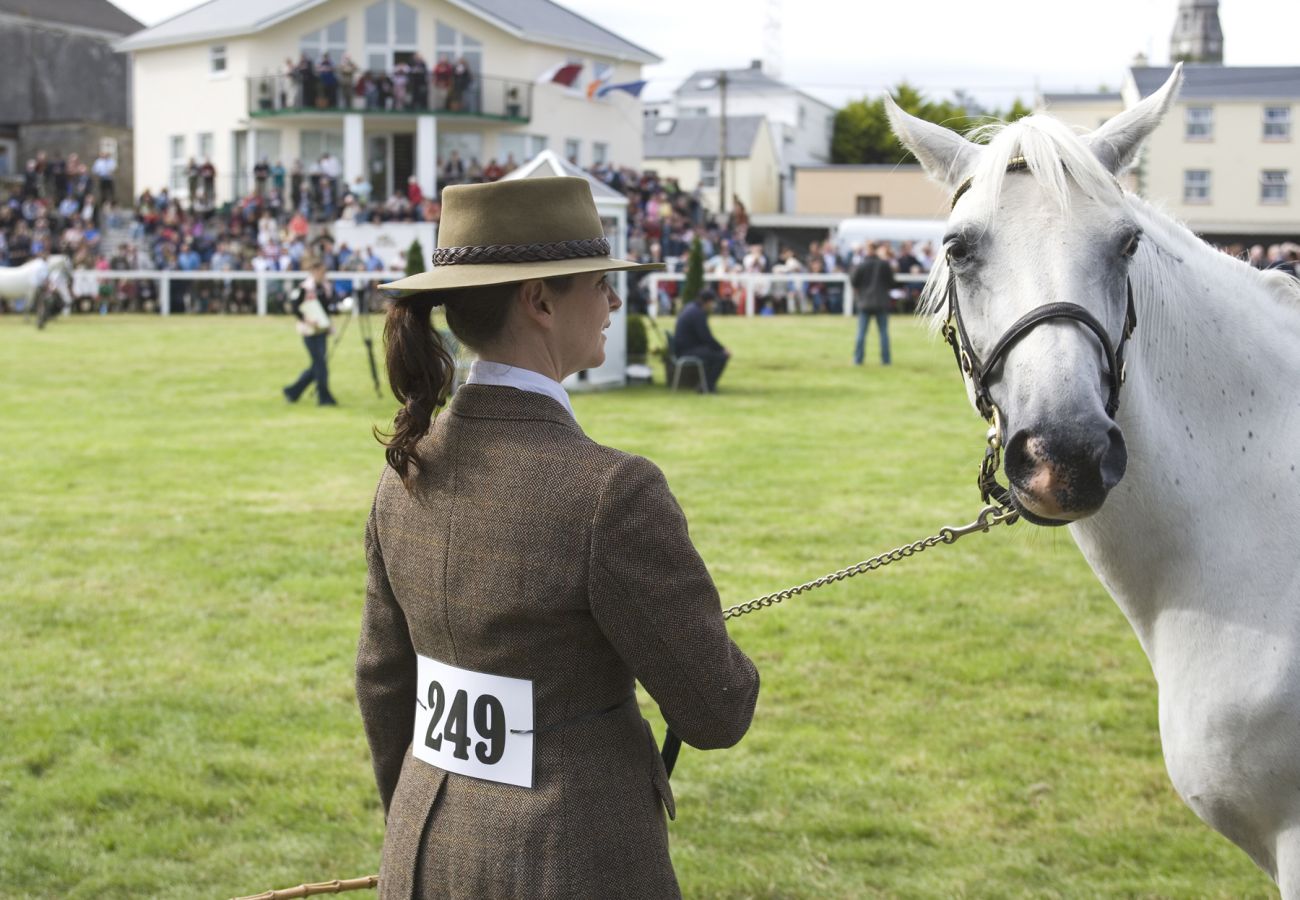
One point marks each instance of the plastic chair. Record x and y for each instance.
(677, 363)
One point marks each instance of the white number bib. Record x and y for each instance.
(474, 724)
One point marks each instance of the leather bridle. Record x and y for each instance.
(978, 371)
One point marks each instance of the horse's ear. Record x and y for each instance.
(946, 156)
(1116, 143)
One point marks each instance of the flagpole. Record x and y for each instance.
(722, 154)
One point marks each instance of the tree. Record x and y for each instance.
(862, 134)
(694, 282)
(414, 259)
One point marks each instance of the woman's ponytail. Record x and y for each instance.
(420, 372)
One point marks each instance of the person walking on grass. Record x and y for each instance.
(523, 577)
(310, 305)
(872, 280)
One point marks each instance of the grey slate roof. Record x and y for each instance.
(99, 15)
(1101, 97)
(739, 81)
(692, 137)
(539, 20)
(1211, 82)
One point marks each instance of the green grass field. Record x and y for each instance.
(181, 578)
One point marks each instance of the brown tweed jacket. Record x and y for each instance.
(530, 551)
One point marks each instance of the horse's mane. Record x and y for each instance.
(1060, 162)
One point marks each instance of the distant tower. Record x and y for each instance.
(772, 39)
(1197, 36)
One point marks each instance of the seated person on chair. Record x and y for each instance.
(693, 338)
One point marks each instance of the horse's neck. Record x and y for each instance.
(1211, 497)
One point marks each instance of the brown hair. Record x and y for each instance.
(422, 368)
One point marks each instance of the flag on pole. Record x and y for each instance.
(565, 74)
(593, 87)
(632, 87)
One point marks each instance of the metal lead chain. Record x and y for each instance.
(988, 517)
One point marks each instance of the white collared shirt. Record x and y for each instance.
(501, 375)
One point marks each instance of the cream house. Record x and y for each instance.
(1223, 159)
(893, 191)
(689, 149)
(211, 83)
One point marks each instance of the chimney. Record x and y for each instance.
(756, 64)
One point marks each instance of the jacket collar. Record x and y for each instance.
(486, 401)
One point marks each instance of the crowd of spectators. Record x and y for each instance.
(65, 206)
(312, 82)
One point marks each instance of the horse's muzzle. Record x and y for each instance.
(1060, 475)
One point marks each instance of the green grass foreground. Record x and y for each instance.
(181, 579)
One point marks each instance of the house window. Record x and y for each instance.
(709, 172)
(1200, 123)
(217, 59)
(176, 153)
(312, 145)
(390, 34)
(522, 147)
(867, 205)
(206, 143)
(572, 148)
(332, 39)
(601, 72)
(451, 46)
(599, 153)
(1277, 123)
(1273, 186)
(1196, 186)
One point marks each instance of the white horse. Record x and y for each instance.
(25, 281)
(1185, 501)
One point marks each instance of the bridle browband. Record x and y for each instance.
(954, 332)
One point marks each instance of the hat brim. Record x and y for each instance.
(448, 278)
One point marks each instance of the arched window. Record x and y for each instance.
(390, 34)
(332, 39)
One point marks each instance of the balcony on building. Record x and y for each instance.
(486, 99)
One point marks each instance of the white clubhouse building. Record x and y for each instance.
(210, 83)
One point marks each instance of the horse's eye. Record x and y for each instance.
(958, 251)
(1131, 248)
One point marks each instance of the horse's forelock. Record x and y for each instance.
(1056, 156)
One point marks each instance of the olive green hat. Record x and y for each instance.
(510, 231)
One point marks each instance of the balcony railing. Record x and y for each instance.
(486, 97)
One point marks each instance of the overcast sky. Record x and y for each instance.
(840, 50)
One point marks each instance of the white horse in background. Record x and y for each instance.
(26, 282)
(1186, 501)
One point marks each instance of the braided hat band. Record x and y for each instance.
(520, 253)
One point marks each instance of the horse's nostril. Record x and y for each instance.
(1114, 459)
(1017, 459)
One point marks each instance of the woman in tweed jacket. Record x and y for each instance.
(522, 577)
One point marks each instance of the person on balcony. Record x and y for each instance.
(461, 80)
(329, 83)
(347, 73)
(306, 81)
(442, 80)
(401, 78)
(419, 82)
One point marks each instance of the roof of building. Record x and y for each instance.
(99, 15)
(1099, 97)
(694, 137)
(1222, 82)
(750, 80)
(538, 21)
(548, 163)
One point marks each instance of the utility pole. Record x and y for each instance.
(722, 149)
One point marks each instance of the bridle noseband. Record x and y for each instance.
(954, 332)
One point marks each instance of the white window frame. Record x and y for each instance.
(1280, 123)
(1274, 187)
(206, 144)
(574, 145)
(179, 163)
(390, 47)
(1197, 191)
(218, 61)
(317, 43)
(599, 153)
(708, 171)
(1193, 121)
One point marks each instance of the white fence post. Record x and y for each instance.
(164, 294)
(261, 293)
